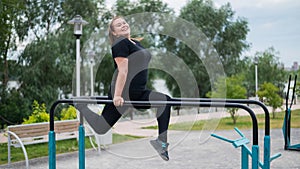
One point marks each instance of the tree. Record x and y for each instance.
(12, 31)
(227, 34)
(270, 93)
(267, 64)
(234, 90)
(12, 108)
(128, 9)
(46, 65)
(48, 61)
(12, 28)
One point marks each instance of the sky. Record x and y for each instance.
(272, 23)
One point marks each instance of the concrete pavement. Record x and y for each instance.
(188, 149)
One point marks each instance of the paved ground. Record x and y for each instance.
(189, 150)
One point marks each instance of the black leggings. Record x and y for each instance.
(111, 114)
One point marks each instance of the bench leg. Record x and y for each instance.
(22, 146)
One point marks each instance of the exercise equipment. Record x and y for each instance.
(267, 137)
(286, 129)
(231, 103)
(246, 152)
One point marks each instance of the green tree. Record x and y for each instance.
(12, 108)
(267, 64)
(126, 8)
(226, 32)
(12, 32)
(48, 61)
(12, 28)
(234, 90)
(270, 93)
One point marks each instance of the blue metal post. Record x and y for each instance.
(81, 147)
(267, 152)
(52, 150)
(255, 156)
(245, 159)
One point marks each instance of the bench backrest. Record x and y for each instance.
(42, 129)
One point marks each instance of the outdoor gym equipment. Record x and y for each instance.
(245, 151)
(267, 138)
(174, 102)
(286, 129)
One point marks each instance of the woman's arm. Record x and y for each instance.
(122, 64)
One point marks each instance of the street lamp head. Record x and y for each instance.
(256, 60)
(77, 21)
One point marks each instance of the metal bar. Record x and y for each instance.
(294, 89)
(255, 156)
(241, 101)
(81, 147)
(290, 113)
(245, 158)
(162, 103)
(267, 143)
(52, 154)
(222, 138)
(286, 142)
(52, 150)
(288, 92)
(267, 149)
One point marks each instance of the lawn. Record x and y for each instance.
(243, 122)
(64, 146)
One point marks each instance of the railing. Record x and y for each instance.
(174, 102)
(267, 137)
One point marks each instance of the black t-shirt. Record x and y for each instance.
(138, 61)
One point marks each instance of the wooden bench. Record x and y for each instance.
(26, 134)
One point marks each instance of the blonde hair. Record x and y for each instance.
(112, 37)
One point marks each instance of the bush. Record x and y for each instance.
(68, 113)
(39, 114)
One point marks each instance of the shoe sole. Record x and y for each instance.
(154, 145)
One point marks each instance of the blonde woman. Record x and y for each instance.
(131, 61)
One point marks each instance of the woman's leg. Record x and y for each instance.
(163, 112)
(101, 123)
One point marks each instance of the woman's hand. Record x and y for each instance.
(118, 101)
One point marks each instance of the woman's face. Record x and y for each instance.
(121, 28)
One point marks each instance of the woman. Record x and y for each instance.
(129, 83)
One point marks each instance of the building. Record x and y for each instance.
(295, 66)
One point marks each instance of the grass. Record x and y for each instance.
(64, 146)
(243, 122)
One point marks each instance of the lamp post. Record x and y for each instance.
(77, 21)
(256, 77)
(92, 63)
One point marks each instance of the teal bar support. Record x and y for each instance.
(255, 156)
(245, 158)
(52, 150)
(81, 147)
(267, 154)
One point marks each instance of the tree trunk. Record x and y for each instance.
(5, 67)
